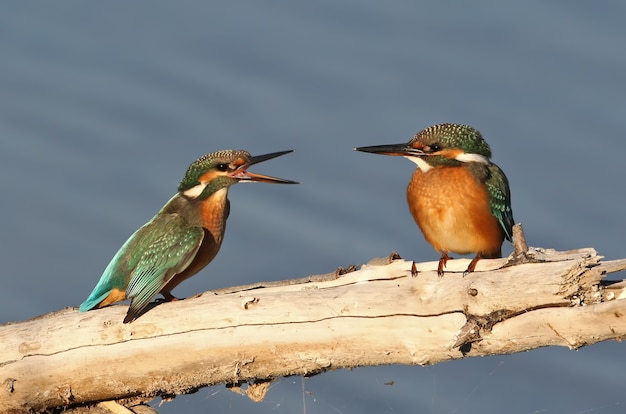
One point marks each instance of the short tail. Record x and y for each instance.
(93, 300)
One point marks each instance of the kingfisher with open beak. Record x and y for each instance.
(183, 237)
(459, 199)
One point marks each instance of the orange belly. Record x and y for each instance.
(452, 209)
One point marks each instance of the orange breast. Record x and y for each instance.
(213, 213)
(452, 209)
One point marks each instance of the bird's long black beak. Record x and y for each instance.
(244, 175)
(404, 150)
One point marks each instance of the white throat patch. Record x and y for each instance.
(421, 164)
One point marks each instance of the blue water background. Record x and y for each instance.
(104, 104)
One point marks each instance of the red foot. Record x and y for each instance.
(472, 265)
(442, 263)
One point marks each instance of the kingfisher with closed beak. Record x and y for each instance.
(183, 237)
(459, 199)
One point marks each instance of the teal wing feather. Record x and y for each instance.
(168, 254)
(118, 271)
(500, 199)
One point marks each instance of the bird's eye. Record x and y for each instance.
(435, 148)
(222, 167)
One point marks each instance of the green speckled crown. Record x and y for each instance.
(205, 163)
(455, 136)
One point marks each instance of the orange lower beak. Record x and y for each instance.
(244, 175)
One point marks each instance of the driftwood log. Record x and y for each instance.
(389, 311)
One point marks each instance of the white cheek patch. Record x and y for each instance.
(465, 157)
(195, 191)
(422, 165)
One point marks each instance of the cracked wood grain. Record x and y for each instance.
(390, 311)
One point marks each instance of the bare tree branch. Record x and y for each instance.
(390, 311)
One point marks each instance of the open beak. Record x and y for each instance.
(244, 175)
(404, 150)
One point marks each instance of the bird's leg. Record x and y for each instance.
(168, 296)
(472, 265)
(442, 263)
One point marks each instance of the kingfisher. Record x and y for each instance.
(182, 238)
(459, 199)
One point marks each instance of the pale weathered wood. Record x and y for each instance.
(383, 313)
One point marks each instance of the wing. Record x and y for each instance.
(168, 254)
(500, 199)
(118, 272)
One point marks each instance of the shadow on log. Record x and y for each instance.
(390, 311)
